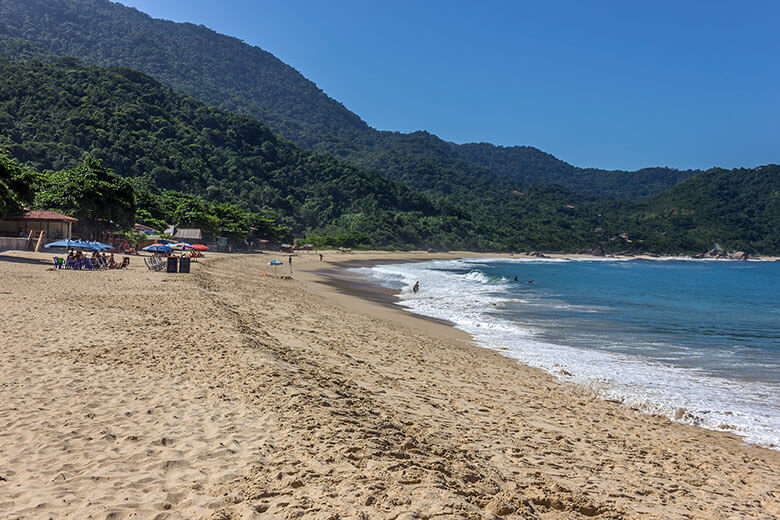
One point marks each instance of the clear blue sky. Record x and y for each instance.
(609, 84)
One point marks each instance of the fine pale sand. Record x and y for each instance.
(229, 394)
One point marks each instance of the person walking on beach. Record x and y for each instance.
(320, 257)
(416, 287)
(289, 260)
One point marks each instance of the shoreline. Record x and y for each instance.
(226, 393)
(357, 286)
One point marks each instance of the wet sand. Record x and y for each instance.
(226, 393)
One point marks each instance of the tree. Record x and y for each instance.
(17, 185)
(100, 199)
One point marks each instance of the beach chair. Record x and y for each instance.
(125, 262)
(59, 262)
(154, 264)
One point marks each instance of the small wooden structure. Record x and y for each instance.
(146, 230)
(185, 234)
(53, 224)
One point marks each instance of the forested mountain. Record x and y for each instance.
(527, 164)
(56, 114)
(215, 68)
(228, 73)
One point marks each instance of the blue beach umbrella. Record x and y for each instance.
(275, 264)
(99, 246)
(74, 244)
(61, 243)
(158, 248)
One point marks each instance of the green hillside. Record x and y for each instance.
(527, 164)
(228, 73)
(53, 114)
(737, 209)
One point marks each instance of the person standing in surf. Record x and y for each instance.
(416, 287)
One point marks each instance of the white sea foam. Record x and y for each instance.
(682, 394)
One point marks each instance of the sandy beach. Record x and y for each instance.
(229, 394)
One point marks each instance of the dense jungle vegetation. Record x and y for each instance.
(225, 72)
(189, 164)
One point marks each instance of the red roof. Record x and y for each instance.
(43, 215)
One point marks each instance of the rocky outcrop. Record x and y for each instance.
(738, 255)
(715, 253)
(719, 253)
(596, 251)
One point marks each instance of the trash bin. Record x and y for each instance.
(173, 264)
(184, 265)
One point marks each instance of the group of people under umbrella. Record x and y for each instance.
(78, 257)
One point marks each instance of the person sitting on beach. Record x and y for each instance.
(70, 262)
(112, 263)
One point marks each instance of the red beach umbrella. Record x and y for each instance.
(199, 247)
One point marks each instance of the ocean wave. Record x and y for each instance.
(457, 291)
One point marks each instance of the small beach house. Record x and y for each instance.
(55, 225)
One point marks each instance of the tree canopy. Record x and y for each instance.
(17, 185)
(100, 199)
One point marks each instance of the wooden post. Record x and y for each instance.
(40, 239)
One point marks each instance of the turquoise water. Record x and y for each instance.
(696, 340)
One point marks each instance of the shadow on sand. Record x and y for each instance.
(22, 260)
